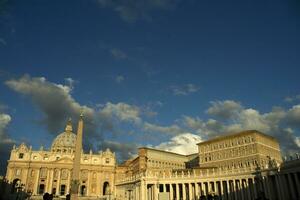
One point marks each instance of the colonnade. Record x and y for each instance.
(225, 189)
(279, 187)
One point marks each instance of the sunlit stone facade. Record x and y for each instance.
(232, 167)
(245, 149)
(50, 171)
(238, 166)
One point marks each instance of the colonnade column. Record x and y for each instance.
(228, 190)
(196, 190)
(254, 188)
(171, 192)
(177, 191)
(221, 190)
(278, 187)
(291, 188)
(183, 192)
(240, 188)
(155, 193)
(190, 187)
(297, 183)
(247, 189)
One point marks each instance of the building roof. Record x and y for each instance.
(231, 135)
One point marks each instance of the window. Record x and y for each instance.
(21, 155)
(107, 160)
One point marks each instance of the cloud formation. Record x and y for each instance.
(54, 101)
(5, 141)
(57, 105)
(233, 117)
(133, 10)
(126, 150)
(183, 90)
(224, 109)
(185, 143)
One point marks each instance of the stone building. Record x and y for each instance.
(236, 166)
(50, 170)
(244, 165)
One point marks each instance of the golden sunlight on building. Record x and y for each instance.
(244, 165)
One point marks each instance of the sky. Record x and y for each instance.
(165, 74)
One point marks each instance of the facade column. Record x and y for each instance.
(36, 183)
(164, 187)
(177, 192)
(51, 180)
(69, 182)
(58, 183)
(291, 188)
(183, 192)
(47, 188)
(240, 188)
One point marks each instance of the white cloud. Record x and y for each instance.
(224, 109)
(5, 141)
(4, 122)
(297, 141)
(185, 143)
(233, 117)
(293, 116)
(183, 90)
(122, 111)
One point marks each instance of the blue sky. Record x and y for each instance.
(164, 73)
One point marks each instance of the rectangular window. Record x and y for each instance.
(107, 160)
(21, 155)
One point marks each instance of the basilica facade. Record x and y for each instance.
(244, 165)
(42, 171)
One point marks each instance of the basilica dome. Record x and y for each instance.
(65, 142)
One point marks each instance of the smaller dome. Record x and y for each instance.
(65, 142)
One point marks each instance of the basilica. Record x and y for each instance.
(245, 165)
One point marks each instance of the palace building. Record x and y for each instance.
(244, 165)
